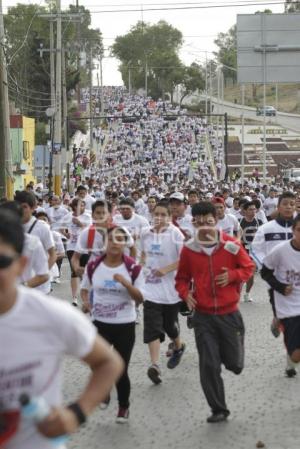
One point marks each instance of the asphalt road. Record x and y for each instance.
(289, 121)
(264, 404)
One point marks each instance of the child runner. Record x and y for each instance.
(161, 246)
(116, 282)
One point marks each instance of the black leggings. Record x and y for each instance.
(122, 337)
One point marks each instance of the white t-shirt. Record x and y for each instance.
(56, 215)
(98, 245)
(285, 261)
(134, 225)
(111, 302)
(229, 224)
(270, 205)
(74, 229)
(161, 250)
(185, 223)
(43, 232)
(39, 331)
(37, 263)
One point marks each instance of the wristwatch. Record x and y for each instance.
(78, 412)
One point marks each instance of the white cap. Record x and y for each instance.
(177, 196)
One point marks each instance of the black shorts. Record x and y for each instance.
(83, 261)
(291, 332)
(160, 319)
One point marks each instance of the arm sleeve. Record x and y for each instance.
(268, 275)
(258, 247)
(40, 260)
(245, 267)
(183, 276)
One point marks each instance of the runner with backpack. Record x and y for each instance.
(114, 283)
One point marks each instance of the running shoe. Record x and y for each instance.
(247, 298)
(105, 403)
(291, 372)
(75, 302)
(170, 350)
(123, 415)
(175, 358)
(218, 417)
(154, 374)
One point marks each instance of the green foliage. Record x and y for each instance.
(152, 47)
(292, 6)
(227, 53)
(28, 73)
(193, 79)
(40, 133)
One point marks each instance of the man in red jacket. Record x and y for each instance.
(218, 265)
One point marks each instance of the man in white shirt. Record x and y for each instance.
(38, 228)
(226, 222)
(82, 193)
(180, 218)
(56, 212)
(128, 219)
(270, 204)
(38, 332)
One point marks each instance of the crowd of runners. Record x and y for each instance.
(151, 232)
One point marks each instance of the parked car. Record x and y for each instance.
(269, 111)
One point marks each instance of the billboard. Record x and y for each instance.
(268, 48)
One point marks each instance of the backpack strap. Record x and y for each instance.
(91, 267)
(32, 226)
(132, 267)
(91, 237)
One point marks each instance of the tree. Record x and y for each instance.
(193, 80)
(28, 73)
(292, 6)
(150, 50)
(227, 53)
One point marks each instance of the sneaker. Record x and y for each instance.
(218, 417)
(275, 327)
(154, 374)
(291, 372)
(75, 302)
(170, 350)
(56, 280)
(247, 298)
(105, 403)
(176, 357)
(123, 415)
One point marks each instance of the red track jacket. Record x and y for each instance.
(195, 265)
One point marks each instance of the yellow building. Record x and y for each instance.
(22, 134)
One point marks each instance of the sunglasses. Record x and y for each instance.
(6, 261)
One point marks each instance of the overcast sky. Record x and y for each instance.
(199, 26)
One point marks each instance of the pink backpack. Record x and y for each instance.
(132, 267)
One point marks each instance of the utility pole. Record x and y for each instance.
(91, 99)
(146, 77)
(129, 81)
(65, 155)
(57, 130)
(101, 84)
(206, 83)
(6, 177)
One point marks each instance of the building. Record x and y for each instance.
(22, 136)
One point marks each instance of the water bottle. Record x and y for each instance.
(37, 409)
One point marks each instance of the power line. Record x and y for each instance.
(174, 8)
